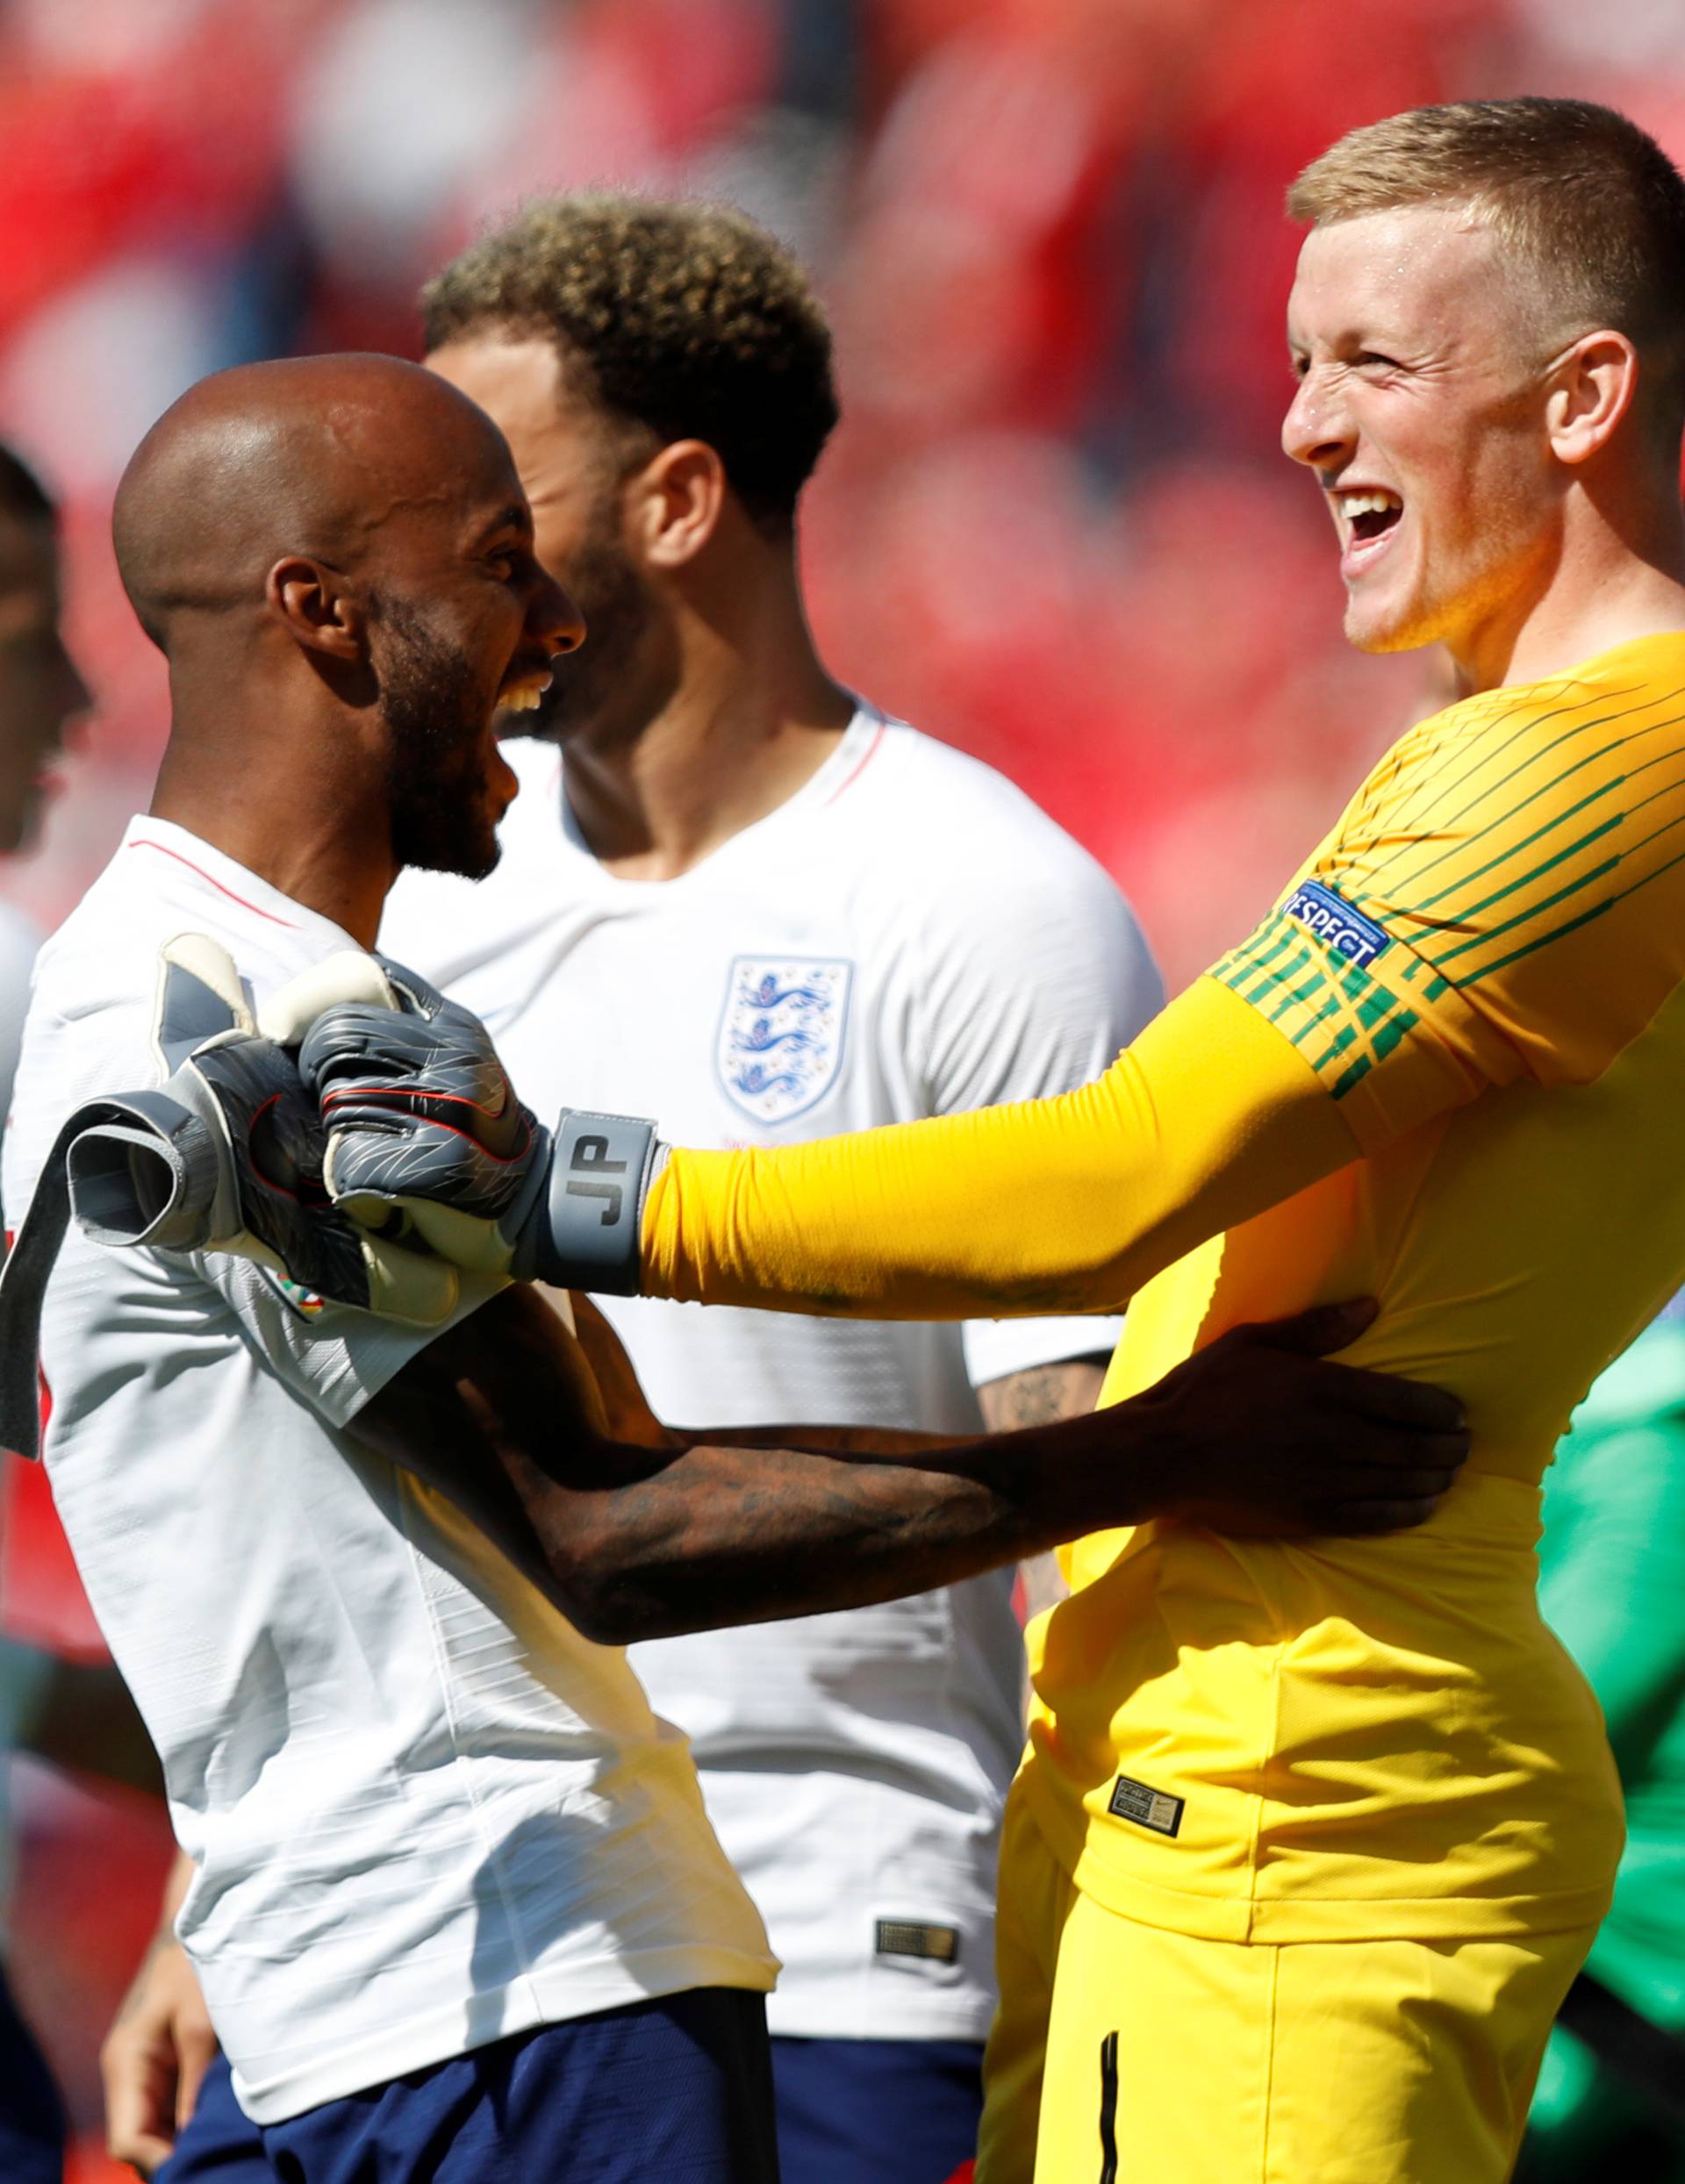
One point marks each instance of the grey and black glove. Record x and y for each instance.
(428, 1141)
(225, 1155)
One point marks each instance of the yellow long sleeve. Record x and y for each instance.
(1066, 1205)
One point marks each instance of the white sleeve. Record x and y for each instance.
(1049, 978)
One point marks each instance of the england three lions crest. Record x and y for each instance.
(781, 1037)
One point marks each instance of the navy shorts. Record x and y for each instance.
(679, 2088)
(218, 2140)
(876, 2111)
(31, 2116)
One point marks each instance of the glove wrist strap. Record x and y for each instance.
(587, 1234)
(133, 1169)
(147, 1173)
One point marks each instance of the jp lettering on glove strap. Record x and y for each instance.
(428, 1140)
(600, 1168)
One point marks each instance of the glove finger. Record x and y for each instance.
(477, 1246)
(349, 975)
(355, 1043)
(413, 990)
(354, 1046)
(409, 1285)
(378, 1213)
(413, 1157)
(199, 996)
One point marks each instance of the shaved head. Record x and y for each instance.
(335, 555)
(312, 456)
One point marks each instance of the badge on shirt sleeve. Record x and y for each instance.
(1334, 920)
(781, 1034)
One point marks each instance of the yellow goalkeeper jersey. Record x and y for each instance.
(1448, 1070)
(1278, 1741)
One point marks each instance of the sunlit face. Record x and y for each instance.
(465, 625)
(571, 470)
(40, 690)
(1421, 407)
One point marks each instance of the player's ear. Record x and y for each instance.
(679, 495)
(1592, 388)
(318, 606)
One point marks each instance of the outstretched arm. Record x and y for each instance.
(1066, 1205)
(1063, 1205)
(648, 1537)
(1453, 933)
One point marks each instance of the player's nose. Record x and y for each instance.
(552, 620)
(1317, 430)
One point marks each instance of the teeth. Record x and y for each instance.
(523, 698)
(1355, 504)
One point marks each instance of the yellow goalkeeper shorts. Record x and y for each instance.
(1122, 2049)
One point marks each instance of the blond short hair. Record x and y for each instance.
(683, 321)
(1592, 209)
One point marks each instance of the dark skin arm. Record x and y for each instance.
(636, 1531)
(1035, 1397)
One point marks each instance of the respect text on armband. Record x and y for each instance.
(1336, 923)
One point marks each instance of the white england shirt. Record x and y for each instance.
(906, 936)
(424, 1812)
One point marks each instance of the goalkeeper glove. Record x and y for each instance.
(225, 1155)
(427, 1139)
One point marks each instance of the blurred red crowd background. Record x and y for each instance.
(1055, 526)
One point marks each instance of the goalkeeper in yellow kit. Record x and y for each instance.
(1311, 1837)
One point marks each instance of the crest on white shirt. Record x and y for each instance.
(780, 1043)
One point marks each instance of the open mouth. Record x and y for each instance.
(524, 693)
(1368, 514)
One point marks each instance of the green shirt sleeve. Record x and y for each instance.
(1612, 1583)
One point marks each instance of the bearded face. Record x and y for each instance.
(442, 798)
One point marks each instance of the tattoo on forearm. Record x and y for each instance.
(1041, 1395)
(681, 1531)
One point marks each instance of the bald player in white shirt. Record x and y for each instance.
(437, 1835)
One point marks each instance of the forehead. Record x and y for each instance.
(1422, 273)
(439, 462)
(518, 381)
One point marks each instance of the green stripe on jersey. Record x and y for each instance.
(1339, 1017)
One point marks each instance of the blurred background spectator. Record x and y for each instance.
(1054, 526)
